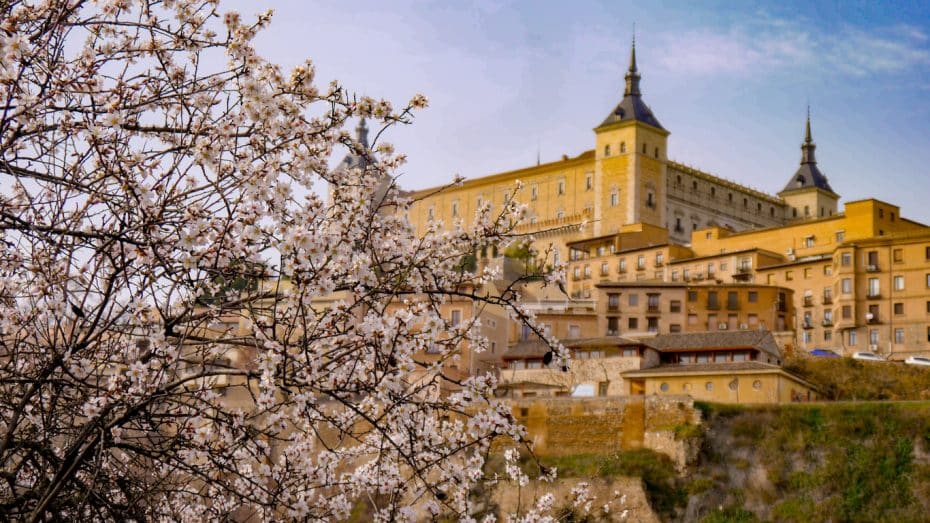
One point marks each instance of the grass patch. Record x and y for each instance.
(849, 379)
(841, 462)
(664, 490)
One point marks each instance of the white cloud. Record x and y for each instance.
(766, 44)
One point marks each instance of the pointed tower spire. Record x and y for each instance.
(632, 75)
(361, 133)
(808, 147)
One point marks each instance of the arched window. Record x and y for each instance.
(607, 150)
(622, 147)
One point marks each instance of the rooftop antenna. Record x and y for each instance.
(538, 153)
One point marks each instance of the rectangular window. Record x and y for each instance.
(561, 187)
(692, 319)
(899, 335)
(574, 331)
(927, 253)
(660, 258)
(807, 273)
(873, 337)
(675, 306)
(633, 323)
(633, 300)
(827, 335)
(613, 302)
(899, 308)
(789, 276)
(614, 199)
(605, 269)
(640, 262)
(674, 327)
(732, 300)
(753, 321)
(899, 283)
(840, 236)
(613, 326)
(828, 270)
(897, 255)
(652, 324)
(692, 295)
(456, 317)
(622, 266)
(712, 300)
(874, 287)
(852, 338)
(674, 275)
(846, 259)
(589, 182)
(753, 296)
(847, 312)
(534, 192)
(846, 285)
(630, 353)
(652, 301)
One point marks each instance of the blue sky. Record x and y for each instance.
(731, 81)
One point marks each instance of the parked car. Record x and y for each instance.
(917, 360)
(824, 353)
(867, 356)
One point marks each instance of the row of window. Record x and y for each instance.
(608, 150)
(852, 337)
(709, 386)
(713, 196)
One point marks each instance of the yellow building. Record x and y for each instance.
(857, 275)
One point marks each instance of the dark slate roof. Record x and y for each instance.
(603, 341)
(353, 160)
(808, 175)
(527, 349)
(755, 339)
(744, 366)
(632, 107)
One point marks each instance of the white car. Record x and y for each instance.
(867, 356)
(917, 360)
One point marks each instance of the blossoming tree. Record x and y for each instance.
(163, 230)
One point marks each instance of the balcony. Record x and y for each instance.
(613, 307)
(653, 309)
(640, 267)
(613, 332)
(827, 322)
(660, 263)
(781, 307)
(873, 295)
(713, 306)
(873, 320)
(807, 324)
(743, 269)
(733, 306)
(808, 301)
(872, 267)
(828, 300)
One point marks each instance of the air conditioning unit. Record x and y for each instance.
(743, 326)
(722, 326)
(873, 347)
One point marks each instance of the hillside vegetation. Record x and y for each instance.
(841, 462)
(849, 379)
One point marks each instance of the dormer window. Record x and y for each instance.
(800, 181)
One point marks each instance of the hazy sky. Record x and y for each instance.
(730, 81)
